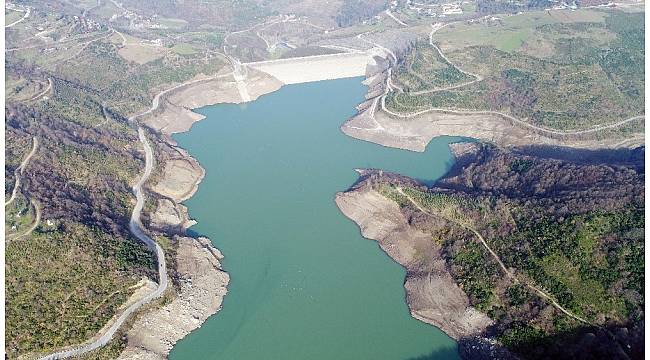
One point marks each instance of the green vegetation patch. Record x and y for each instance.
(566, 75)
(476, 274)
(573, 230)
(184, 49)
(61, 287)
(423, 68)
(172, 23)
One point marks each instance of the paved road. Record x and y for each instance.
(135, 225)
(375, 44)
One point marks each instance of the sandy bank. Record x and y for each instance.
(431, 293)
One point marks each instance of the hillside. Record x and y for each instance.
(550, 250)
(561, 70)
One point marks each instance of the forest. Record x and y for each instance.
(553, 74)
(573, 229)
(67, 278)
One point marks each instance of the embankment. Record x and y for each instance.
(200, 283)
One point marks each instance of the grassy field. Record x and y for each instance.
(11, 16)
(184, 49)
(172, 23)
(141, 53)
(19, 216)
(507, 31)
(561, 70)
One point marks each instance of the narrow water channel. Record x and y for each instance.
(304, 283)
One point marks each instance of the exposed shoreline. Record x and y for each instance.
(202, 281)
(154, 333)
(432, 295)
(182, 174)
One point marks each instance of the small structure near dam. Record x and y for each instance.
(319, 67)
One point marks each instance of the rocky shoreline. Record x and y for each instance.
(203, 285)
(415, 132)
(431, 294)
(200, 282)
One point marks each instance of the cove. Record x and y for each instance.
(304, 283)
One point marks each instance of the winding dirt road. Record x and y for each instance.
(37, 221)
(390, 14)
(44, 92)
(135, 225)
(21, 169)
(477, 77)
(21, 19)
(494, 255)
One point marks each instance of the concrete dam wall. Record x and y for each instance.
(316, 68)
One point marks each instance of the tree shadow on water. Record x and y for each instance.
(448, 353)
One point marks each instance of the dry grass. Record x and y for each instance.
(142, 54)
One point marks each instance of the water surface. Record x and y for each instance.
(304, 283)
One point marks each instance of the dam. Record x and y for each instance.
(318, 67)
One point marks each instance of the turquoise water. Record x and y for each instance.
(304, 283)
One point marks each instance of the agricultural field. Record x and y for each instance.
(559, 69)
(183, 49)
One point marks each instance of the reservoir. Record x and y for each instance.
(304, 283)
